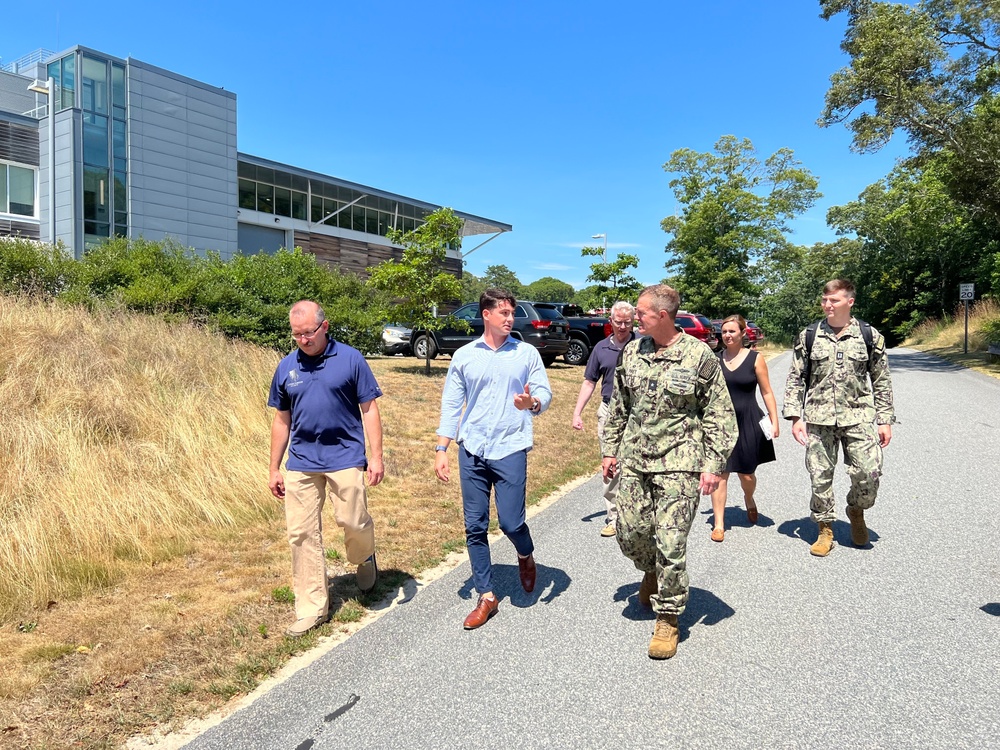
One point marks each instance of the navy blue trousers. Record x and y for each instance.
(507, 477)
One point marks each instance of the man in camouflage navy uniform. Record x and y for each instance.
(839, 406)
(672, 427)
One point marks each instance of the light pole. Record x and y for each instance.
(49, 89)
(604, 260)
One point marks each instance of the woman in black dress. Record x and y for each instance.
(745, 371)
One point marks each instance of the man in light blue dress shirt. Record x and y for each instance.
(501, 383)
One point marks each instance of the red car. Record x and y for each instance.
(700, 327)
(754, 334)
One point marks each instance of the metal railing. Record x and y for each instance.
(38, 56)
(38, 112)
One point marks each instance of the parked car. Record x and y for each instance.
(396, 339)
(751, 336)
(698, 326)
(545, 329)
(585, 331)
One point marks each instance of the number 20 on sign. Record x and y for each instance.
(966, 292)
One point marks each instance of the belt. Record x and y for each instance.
(606, 400)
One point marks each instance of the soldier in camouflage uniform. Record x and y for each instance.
(847, 402)
(670, 430)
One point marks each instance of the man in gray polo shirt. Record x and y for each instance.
(601, 366)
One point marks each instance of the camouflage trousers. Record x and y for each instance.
(862, 456)
(655, 513)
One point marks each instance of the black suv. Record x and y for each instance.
(545, 329)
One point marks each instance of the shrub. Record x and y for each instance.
(246, 297)
(33, 268)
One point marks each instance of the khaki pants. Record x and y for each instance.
(304, 498)
(610, 485)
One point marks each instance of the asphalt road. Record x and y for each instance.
(890, 646)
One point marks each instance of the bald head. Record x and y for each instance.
(306, 311)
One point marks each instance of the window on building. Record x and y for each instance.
(96, 202)
(63, 74)
(265, 189)
(282, 201)
(17, 190)
(248, 194)
(94, 85)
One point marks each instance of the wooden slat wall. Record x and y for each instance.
(356, 256)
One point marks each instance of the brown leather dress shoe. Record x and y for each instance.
(527, 571)
(484, 610)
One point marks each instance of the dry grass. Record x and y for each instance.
(144, 562)
(946, 338)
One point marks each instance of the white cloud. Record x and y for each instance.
(553, 267)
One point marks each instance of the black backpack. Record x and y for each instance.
(866, 334)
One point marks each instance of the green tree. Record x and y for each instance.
(548, 289)
(589, 297)
(918, 245)
(932, 70)
(501, 277)
(418, 280)
(613, 278)
(734, 213)
(791, 280)
(472, 287)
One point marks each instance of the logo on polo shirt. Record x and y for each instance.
(294, 379)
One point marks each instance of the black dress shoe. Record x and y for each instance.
(527, 571)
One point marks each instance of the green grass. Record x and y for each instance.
(49, 652)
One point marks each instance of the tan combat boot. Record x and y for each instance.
(859, 532)
(824, 543)
(664, 642)
(647, 588)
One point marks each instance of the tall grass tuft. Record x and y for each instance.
(984, 328)
(121, 434)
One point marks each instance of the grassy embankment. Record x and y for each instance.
(144, 568)
(946, 338)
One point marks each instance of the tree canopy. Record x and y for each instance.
(931, 70)
(734, 212)
(418, 281)
(548, 289)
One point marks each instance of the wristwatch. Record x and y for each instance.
(440, 448)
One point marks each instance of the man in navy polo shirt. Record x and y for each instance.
(601, 366)
(324, 393)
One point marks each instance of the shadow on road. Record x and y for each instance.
(549, 583)
(594, 516)
(735, 517)
(920, 362)
(992, 609)
(703, 607)
(392, 585)
(806, 530)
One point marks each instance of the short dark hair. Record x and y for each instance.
(492, 297)
(840, 285)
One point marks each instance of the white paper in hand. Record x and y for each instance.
(765, 425)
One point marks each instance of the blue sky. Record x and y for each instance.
(555, 117)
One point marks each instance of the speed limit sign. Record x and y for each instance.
(966, 292)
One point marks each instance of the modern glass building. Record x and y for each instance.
(94, 146)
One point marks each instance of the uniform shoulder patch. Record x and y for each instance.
(709, 368)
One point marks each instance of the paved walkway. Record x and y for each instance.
(890, 646)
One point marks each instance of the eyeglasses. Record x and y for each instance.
(307, 336)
